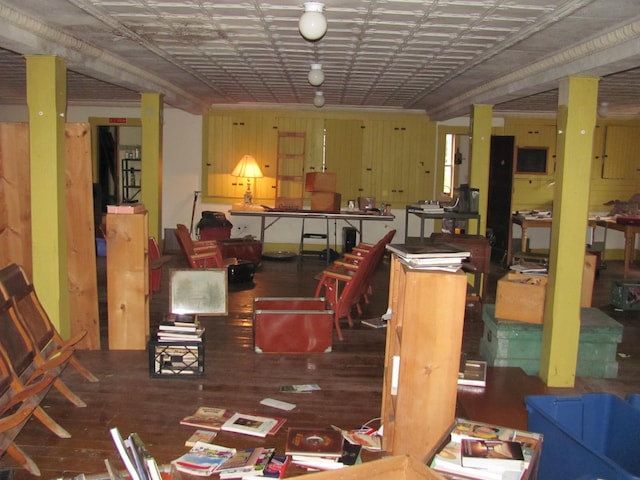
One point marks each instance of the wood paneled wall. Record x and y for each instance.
(15, 219)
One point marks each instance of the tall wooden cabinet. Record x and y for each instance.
(424, 338)
(127, 280)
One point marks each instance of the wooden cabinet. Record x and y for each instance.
(127, 281)
(424, 338)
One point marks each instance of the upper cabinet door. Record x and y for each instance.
(621, 147)
(343, 155)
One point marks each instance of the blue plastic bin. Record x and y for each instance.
(592, 436)
(634, 399)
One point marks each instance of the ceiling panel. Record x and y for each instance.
(439, 56)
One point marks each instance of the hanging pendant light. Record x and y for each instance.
(318, 100)
(313, 24)
(316, 75)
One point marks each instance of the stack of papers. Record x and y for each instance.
(430, 256)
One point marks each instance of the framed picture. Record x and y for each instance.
(200, 291)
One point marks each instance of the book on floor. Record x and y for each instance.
(492, 454)
(256, 471)
(203, 459)
(473, 373)
(209, 418)
(205, 436)
(125, 456)
(300, 388)
(314, 442)
(241, 461)
(255, 425)
(277, 466)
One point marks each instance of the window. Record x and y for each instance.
(449, 159)
(531, 160)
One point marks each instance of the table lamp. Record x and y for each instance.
(248, 168)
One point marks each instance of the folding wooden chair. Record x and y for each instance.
(14, 283)
(22, 362)
(16, 407)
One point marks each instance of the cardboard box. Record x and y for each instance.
(320, 182)
(325, 201)
(401, 467)
(521, 297)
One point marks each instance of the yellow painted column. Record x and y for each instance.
(47, 104)
(151, 195)
(481, 120)
(577, 105)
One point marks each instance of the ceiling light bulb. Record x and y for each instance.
(313, 24)
(318, 100)
(316, 75)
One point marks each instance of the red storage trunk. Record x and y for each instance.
(215, 233)
(292, 325)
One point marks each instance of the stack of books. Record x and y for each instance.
(430, 256)
(180, 328)
(431, 206)
(487, 452)
(223, 419)
(137, 460)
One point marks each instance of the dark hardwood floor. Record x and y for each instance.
(235, 377)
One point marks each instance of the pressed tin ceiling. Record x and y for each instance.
(439, 56)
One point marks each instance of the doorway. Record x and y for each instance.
(499, 195)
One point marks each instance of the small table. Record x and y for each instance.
(525, 223)
(629, 231)
(426, 215)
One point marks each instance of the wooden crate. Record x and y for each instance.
(320, 182)
(521, 298)
(325, 201)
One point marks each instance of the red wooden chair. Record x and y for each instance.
(346, 283)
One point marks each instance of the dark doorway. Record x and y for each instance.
(499, 195)
(107, 166)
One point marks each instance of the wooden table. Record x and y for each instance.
(525, 223)
(426, 215)
(629, 231)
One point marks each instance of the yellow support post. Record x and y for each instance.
(479, 157)
(577, 106)
(151, 183)
(47, 104)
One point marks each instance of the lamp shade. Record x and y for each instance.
(313, 24)
(318, 100)
(316, 75)
(247, 167)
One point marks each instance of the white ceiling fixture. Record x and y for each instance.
(318, 100)
(316, 75)
(313, 24)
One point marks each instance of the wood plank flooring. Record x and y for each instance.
(236, 377)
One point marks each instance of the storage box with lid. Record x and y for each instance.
(507, 343)
(292, 325)
(625, 294)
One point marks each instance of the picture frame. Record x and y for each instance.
(198, 291)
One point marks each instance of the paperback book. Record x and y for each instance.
(427, 250)
(463, 428)
(205, 436)
(473, 373)
(209, 418)
(492, 454)
(257, 470)
(300, 388)
(449, 461)
(242, 461)
(203, 459)
(313, 442)
(257, 426)
(277, 466)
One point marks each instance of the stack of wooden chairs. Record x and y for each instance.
(32, 357)
(346, 283)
